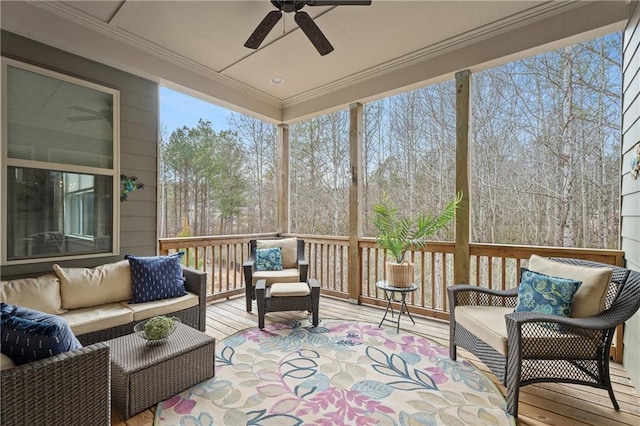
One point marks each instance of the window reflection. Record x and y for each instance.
(53, 213)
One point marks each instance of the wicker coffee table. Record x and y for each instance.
(142, 375)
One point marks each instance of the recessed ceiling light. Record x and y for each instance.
(277, 80)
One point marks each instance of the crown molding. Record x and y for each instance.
(351, 86)
(493, 29)
(87, 21)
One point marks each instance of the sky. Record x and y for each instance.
(178, 110)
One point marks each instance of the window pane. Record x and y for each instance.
(51, 213)
(56, 121)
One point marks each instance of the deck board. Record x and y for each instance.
(540, 404)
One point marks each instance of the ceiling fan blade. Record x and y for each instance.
(338, 2)
(313, 33)
(263, 28)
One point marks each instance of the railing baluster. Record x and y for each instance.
(432, 279)
(335, 269)
(490, 271)
(442, 288)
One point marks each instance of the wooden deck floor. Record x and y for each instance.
(543, 404)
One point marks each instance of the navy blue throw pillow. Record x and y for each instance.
(28, 335)
(156, 277)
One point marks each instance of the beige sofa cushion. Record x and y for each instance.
(87, 320)
(146, 310)
(290, 289)
(590, 297)
(289, 248)
(86, 287)
(284, 276)
(6, 362)
(40, 293)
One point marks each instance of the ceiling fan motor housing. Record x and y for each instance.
(288, 5)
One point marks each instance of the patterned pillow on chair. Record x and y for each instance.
(269, 259)
(545, 294)
(289, 247)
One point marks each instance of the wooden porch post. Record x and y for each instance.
(462, 257)
(283, 179)
(355, 200)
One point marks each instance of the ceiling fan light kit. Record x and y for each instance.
(304, 21)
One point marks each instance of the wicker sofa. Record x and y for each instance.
(73, 388)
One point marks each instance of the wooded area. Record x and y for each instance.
(545, 150)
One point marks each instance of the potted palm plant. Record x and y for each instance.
(396, 234)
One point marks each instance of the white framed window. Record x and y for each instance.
(60, 166)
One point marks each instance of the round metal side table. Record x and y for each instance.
(389, 294)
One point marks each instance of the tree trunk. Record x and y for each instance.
(568, 146)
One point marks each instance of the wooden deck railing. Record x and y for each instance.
(493, 266)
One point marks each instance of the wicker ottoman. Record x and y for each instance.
(142, 375)
(288, 297)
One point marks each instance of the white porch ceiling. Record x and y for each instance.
(392, 45)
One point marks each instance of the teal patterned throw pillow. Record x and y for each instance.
(546, 294)
(269, 259)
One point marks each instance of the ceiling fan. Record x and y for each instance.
(304, 21)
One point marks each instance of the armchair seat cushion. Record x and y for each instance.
(271, 277)
(489, 325)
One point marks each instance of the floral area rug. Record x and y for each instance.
(340, 373)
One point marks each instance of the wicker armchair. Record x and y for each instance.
(71, 388)
(575, 351)
(295, 272)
